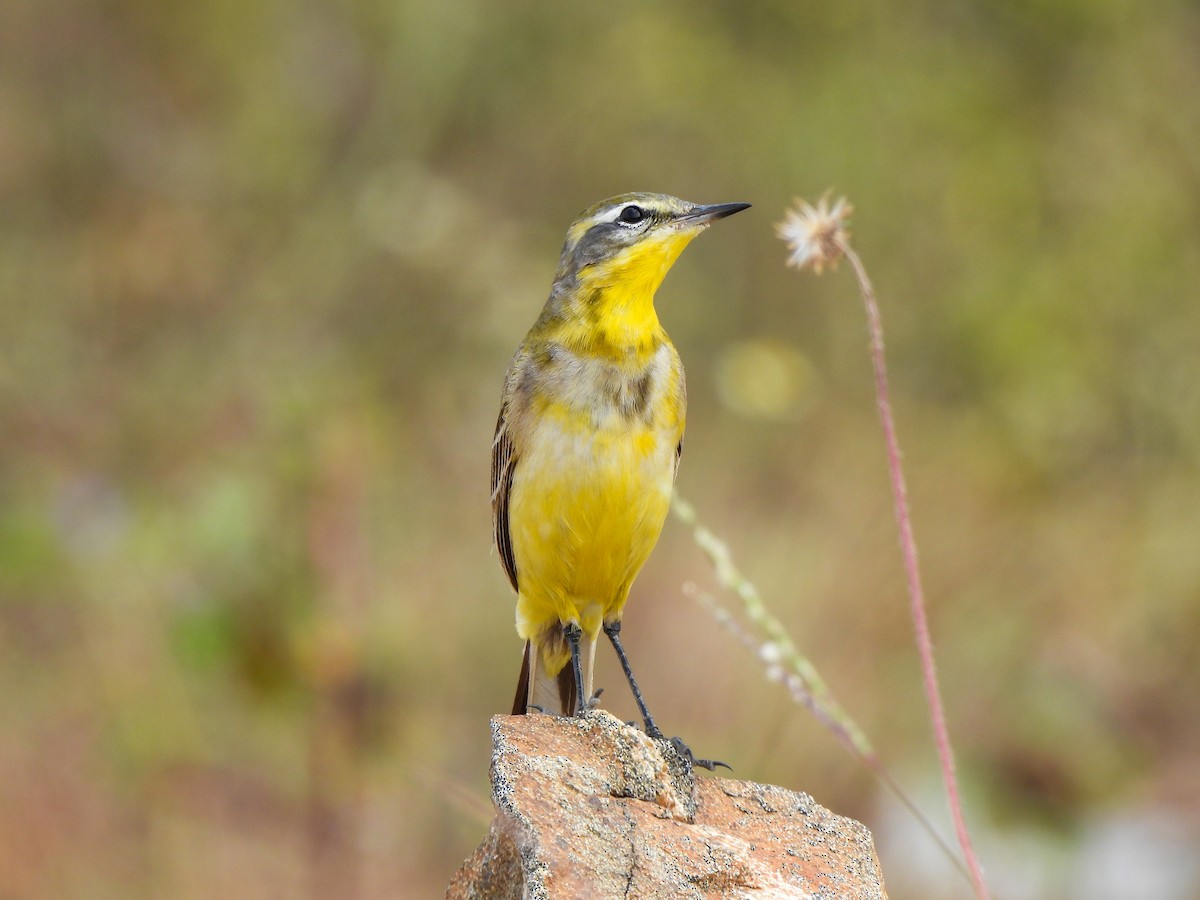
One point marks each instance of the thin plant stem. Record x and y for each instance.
(826, 710)
(916, 592)
(779, 646)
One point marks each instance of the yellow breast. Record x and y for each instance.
(586, 509)
(591, 493)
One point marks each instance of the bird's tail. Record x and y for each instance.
(554, 694)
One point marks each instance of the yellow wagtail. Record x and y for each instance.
(588, 442)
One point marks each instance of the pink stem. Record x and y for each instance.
(916, 593)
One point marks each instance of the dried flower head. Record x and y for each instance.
(816, 234)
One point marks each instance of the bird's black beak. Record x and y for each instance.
(702, 215)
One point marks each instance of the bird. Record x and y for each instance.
(588, 442)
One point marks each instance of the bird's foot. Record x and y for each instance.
(592, 703)
(685, 751)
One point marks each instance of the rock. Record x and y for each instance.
(592, 808)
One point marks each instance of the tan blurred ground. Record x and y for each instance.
(262, 267)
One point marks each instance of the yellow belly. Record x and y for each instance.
(586, 509)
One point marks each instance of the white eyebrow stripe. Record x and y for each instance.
(613, 215)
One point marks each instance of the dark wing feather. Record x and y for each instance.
(521, 701)
(504, 462)
(683, 408)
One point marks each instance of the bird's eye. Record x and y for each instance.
(631, 215)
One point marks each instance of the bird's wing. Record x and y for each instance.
(683, 409)
(504, 463)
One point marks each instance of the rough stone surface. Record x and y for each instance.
(591, 808)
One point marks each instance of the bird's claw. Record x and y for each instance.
(686, 752)
(592, 702)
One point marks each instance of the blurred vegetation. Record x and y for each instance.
(262, 267)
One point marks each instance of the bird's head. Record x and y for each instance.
(633, 239)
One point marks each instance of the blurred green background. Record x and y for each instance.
(263, 265)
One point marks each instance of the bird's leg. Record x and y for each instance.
(613, 630)
(573, 634)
